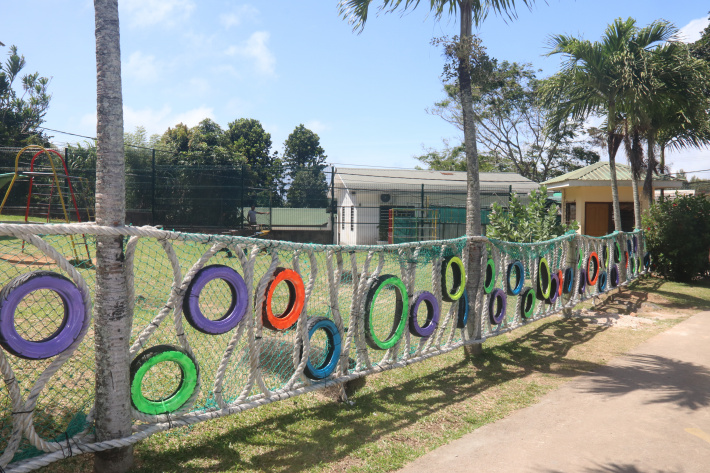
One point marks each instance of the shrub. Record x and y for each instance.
(526, 223)
(678, 236)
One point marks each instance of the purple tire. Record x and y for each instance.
(554, 288)
(582, 281)
(432, 318)
(72, 326)
(497, 316)
(614, 276)
(237, 307)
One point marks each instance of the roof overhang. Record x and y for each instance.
(657, 184)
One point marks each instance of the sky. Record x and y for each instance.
(287, 62)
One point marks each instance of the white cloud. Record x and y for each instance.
(142, 67)
(691, 32)
(317, 126)
(237, 16)
(154, 121)
(255, 48)
(152, 12)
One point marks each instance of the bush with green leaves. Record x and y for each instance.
(526, 222)
(678, 236)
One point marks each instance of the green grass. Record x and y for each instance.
(401, 414)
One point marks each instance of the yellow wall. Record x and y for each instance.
(583, 194)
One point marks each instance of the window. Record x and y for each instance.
(352, 218)
(342, 218)
(570, 212)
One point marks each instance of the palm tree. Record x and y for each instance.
(471, 11)
(599, 78)
(112, 319)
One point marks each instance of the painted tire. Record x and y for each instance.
(647, 260)
(497, 304)
(543, 279)
(580, 260)
(601, 283)
(462, 315)
(554, 289)
(605, 256)
(73, 322)
(189, 375)
(629, 247)
(635, 241)
(568, 285)
(237, 307)
(519, 270)
(490, 280)
(456, 265)
(296, 299)
(593, 263)
(617, 252)
(527, 305)
(560, 282)
(433, 314)
(633, 265)
(400, 319)
(614, 276)
(626, 259)
(327, 366)
(582, 281)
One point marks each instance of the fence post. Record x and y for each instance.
(423, 219)
(241, 201)
(152, 190)
(333, 207)
(66, 159)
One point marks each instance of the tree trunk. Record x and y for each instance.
(473, 188)
(613, 143)
(112, 327)
(648, 183)
(637, 201)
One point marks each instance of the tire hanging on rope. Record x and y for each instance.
(560, 281)
(647, 260)
(605, 256)
(635, 241)
(490, 280)
(554, 289)
(459, 276)
(527, 305)
(497, 304)
(617, 252)
(626, 259)
(296, 300)
(543, 279)
(74, 315)
(629, 247)
(593, 268)
(332, 350)
(518, 270)
(161, 354)
(568, 281)
(400, 317)
(614, 276)
(601, 283)
(237, 307)
(433, 313)
(462, 312)
(582, 281)
(580, 260)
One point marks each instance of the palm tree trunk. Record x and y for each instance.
(473, 188)
(112, 319)
(648, 183)
(637, 201)
(613, 143)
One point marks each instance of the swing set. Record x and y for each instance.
(44, 184)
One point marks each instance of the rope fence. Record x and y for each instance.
(222, 324)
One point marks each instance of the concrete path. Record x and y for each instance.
(645, 412)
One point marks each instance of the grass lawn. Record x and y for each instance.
(401, 414)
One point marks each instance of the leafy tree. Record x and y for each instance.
(678, 236)
(701, 48)
(454, 159)
(304, 158)
(527, 222)
(22, 113)
(512, 124)
(598, 78)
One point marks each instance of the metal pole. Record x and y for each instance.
(421, 221)
(152, 191)
(241, 202)
(333, 207)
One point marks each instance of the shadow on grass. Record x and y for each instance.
(298, 439)
(685, 300)
(628, 300)
(613, 468)
(684, 384)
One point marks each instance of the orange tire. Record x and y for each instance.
(296, 299)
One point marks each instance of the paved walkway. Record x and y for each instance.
(645, 412)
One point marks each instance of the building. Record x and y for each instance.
(586, 196)
(396, 205)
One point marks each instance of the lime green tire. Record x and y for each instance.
(149, 359)
(400, 312)
(459, 282)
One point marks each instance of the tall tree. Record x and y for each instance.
(21, 114)
(112, 326)
(305, 160)
(471, 11)
(512, 124)
(597, 78)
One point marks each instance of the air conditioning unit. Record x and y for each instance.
(385, 198)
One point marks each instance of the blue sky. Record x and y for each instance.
(290, 62)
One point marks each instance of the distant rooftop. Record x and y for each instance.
(600, 174)
(368, 178)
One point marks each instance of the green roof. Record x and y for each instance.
(600, 172)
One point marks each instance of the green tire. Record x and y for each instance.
(459, 283)
(400, 312)
(490, 281)
(544, 280)
(143, 363)
(527, 305)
